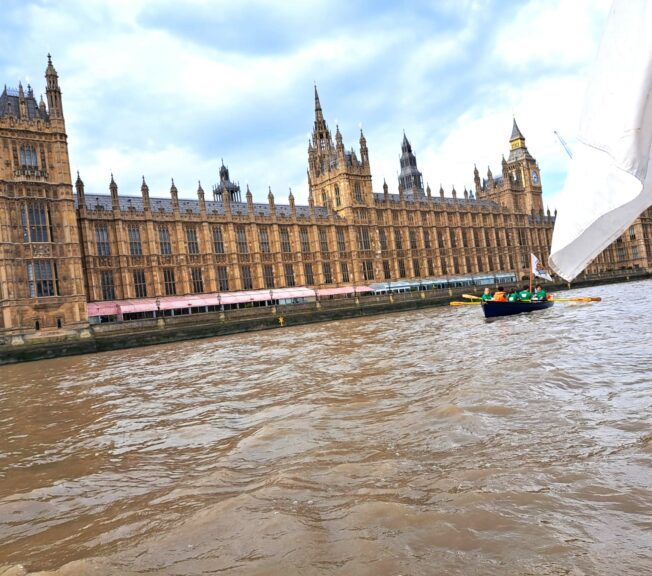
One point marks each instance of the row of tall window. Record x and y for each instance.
(103, 245)
(36, 228)
(41, 276)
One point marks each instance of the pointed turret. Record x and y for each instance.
(441, 191)
(250, 201)
(410, 176)
(339, 145)
(270, 200)
(364, 151)
(79, 188)
(52, 91)
(201, 197)
(174, 193)
(428, 192)
(318, 111)
(113, 188)
(144, 191)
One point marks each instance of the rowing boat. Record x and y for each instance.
(493, 308)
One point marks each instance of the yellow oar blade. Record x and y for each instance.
(463, 303)
(471, 297)
(579, 299)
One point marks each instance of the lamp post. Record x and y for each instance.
(219, 302)
(158, 306)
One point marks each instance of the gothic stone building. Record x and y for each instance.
(62, 248)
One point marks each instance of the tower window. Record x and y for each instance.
(28, 158)
(34, 218)
(42, 278)
(338, 199)
(357, 192)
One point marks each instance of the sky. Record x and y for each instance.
(168, 89)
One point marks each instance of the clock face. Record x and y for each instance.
(535, 177)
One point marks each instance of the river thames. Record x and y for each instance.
(429, 442)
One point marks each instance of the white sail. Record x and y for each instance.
(609, 182)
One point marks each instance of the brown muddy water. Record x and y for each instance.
(427, 442)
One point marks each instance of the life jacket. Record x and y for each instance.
(500, 297)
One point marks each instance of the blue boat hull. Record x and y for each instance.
(493, 309)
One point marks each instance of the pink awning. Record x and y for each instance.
(115, 307)
(109, 308)
(343, 290)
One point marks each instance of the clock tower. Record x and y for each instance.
(519, 188)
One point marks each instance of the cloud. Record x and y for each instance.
(167, 89)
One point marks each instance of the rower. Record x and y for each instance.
(487, 295)
(500, 295)
(539, 293)
(525, 294)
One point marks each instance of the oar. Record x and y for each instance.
(471, 297)
(463, 303)
(579, 299)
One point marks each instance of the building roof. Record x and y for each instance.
(10, 104)
(104, 202)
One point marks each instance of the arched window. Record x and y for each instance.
(28, 157)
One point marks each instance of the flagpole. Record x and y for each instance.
(530, 272)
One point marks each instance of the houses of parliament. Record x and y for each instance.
(63, 248)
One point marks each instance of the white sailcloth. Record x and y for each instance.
(609, 182)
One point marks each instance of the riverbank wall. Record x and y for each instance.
(135, 333)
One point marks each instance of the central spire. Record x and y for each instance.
(321, 136)
(318, 111)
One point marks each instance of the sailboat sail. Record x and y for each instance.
(609, 182)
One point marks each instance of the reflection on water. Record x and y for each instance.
(415, 443)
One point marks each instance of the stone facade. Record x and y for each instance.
(41, 278)
(59, 250)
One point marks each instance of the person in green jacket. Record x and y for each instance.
(487, 295)
(525, 294)
(512, 296)
(539, 293)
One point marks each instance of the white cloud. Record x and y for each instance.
(143, 98)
